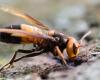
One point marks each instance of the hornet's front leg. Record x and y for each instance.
(58, 51)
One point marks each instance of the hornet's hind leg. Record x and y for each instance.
(32, 53)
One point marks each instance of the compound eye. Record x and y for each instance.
(75, 48)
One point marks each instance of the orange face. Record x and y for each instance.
(72, 48)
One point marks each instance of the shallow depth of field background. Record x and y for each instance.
(68, 16)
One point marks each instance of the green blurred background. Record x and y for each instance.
(68, 16)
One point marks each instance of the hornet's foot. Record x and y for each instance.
(6, 66)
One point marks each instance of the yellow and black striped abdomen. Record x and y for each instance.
(9, 38)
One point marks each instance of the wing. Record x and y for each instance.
(23, 15)
(24, 34)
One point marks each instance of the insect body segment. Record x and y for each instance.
(14, 38)
(72, 47)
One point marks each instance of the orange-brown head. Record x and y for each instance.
(72, 47)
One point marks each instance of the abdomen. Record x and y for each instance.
(8, 38)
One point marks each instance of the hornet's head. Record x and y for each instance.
(72, 47)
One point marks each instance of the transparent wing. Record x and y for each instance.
(23, 15)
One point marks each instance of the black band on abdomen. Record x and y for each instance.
(7, 38)
(14, 27)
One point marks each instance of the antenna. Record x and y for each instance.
(84, 36)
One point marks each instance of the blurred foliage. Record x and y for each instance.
(69, 16)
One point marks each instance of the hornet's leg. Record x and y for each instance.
(10, 63)
(60, 54)
(30, 55)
